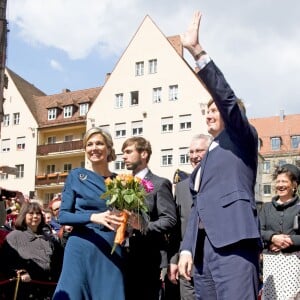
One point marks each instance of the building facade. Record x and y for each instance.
(153, 92)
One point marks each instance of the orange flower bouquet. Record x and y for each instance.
(126, 193)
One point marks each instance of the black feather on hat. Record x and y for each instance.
(294, 170)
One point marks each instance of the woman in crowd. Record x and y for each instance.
(31, 251)
(90, 271)
(280, 229)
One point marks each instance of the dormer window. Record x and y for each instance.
(68, 111)
(275, 143)
(52, 113)
(83, 109)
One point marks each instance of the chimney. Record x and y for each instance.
(107, 76)
(281, 115)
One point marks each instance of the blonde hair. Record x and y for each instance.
(107, 138)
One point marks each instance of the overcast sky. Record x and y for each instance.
(58, 44)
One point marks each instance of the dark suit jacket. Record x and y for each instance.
(147, 253)
(162, 218)
(184, 201)
(225, 202)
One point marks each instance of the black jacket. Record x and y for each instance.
(278, 218)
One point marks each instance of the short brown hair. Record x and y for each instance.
(140, 144)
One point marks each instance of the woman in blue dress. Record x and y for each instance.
(90, 271)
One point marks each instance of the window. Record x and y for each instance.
(67, 168)
(5, 145)
(184, 155)
(137, 128)
(134, 98)
(295, 142)
(266, 166)
(52, 113)
(68, 138)
(119, 162)
(51, 139)
(83, 109)
(139, 68)
(152, 66)
(21, 143)
(48, 197)
(6, 120)
(3, 176)
(105, 128)
(156, 95)
(167, 124)
(275, 143)
(68, 111)
(50, 169)
(281, 162)
(119, 100)
(16, 118)
(267, 189)
(173, 92)
(120, 130)
(167, 157)
(185, 122)
(20, 171)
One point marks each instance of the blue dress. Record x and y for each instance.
(89, 270)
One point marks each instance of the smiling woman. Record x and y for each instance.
(280, 229)
(84, 276)
(33, 251)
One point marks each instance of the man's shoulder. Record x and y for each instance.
(152, 176)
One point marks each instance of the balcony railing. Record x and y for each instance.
(59, 147)
(52, 178)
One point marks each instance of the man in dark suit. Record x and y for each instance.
(146, 254)
(184, 201)
(222, 236)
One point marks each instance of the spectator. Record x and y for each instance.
(12, 214)
(47, 213)
(280, 229)
(146, 253)
(184, 201)
(90, 271)
(54, 205)
(31, 251)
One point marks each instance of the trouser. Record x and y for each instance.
(230, 272)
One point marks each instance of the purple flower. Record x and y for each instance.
(148, 185)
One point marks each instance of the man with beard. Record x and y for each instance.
(146, 254)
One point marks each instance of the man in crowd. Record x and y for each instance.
(184, 201)
(146, 252)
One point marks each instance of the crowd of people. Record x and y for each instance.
(205, 236)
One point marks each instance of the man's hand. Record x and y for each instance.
(173, 273)
(190, 39)
(185, 265)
